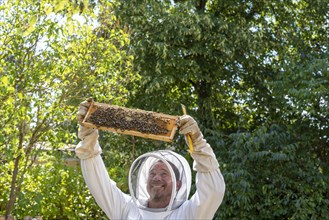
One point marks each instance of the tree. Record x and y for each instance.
(254, 73)
(51, 61)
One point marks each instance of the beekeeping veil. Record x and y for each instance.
(139, 172)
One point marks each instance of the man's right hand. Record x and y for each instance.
(83, 109)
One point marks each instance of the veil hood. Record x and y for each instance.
(138, 176)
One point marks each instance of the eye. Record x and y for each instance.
(164, 174)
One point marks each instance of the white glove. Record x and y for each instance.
(82, 111)
(188, 126)
(88, 146)
(203, 155)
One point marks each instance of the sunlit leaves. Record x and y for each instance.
(60, 4)
(31, 26)
(52, 61)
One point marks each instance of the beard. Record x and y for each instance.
(160, 192)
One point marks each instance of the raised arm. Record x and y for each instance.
(209, 180)
(111, 200)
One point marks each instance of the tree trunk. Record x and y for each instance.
(204, 92)
(13, 188)
(15, 182)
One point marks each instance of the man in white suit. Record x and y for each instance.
(159, 181)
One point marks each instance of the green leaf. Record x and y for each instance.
(60, 4)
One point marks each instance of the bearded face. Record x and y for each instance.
(160, 179)
(159, 185)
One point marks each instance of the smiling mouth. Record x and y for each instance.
(157, 187)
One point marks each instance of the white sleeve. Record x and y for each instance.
(107, 195)
(210, 185)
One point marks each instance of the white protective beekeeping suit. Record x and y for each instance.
(203, 204)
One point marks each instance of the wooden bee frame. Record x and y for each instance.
(160, 126)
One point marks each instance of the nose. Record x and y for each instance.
(156, 177)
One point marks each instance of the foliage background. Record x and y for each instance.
(254, 74)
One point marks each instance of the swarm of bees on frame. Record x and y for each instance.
(126, 119)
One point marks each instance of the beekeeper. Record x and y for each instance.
(159, 181)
